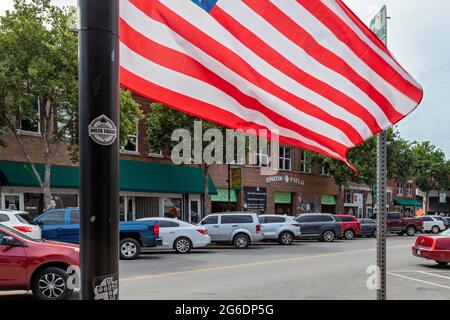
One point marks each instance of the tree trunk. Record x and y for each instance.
(206, 189)
(427, 200)
(340, 201)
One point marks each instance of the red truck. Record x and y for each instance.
(396, 223)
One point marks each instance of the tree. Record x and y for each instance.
(39, 80)
(431, 170)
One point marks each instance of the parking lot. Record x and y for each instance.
(304, 270)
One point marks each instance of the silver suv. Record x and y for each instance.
(283, 229)
(238, 228)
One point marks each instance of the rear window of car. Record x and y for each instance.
(4, 218)
(211, 220)
(167, 224)
(439, 218)
(25, 218)
(227, 219)
(244, 219)
(427, 219)
(275, 219)
(345, 219)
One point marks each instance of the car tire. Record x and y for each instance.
(241, 241)
(410, 231)
(129, 249)
(182, 245)
(441, 263)
(349, 234)
(51, 284)
(285, 238)
(435, 229)
(328, 236)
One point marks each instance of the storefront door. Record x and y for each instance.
(194, 209)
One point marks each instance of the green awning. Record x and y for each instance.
(407, 202)
(137, 176)
(222, 196)
(328, 200)
(283, 197)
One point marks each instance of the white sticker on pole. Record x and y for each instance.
(103, 131)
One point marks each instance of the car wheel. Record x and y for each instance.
(410, 231)
(182, 245)
(328, 235)
(435, 229)
(442, 263)
(241, 241)
(349, 234)
(129, 249)
(286, 238)
(51, 284)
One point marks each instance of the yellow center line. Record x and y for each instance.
(250, 264)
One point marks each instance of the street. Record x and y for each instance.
(304, 270)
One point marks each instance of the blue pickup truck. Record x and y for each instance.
(64, 225)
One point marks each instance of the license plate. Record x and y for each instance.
(418, 252)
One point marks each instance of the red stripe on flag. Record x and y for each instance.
(344, 33)
(291, 30)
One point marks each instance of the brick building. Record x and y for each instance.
(151, 186)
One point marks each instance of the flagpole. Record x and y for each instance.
(99, 150)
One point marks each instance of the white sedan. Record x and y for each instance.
(179, 235)
(433, 224)
(20, 221)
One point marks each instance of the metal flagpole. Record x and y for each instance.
(99, 150)
(379, 26)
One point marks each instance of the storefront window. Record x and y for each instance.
(285, 158)
(34, 203)
(172, 208)
(146, 207)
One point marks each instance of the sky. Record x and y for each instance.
(419, 37)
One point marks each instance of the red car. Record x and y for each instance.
(350, 226)
(49, 269)
(435, 248)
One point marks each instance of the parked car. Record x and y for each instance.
(396, 223)
(435, 248)
(64, 225)
(433, 224)
(440, 218)
(283, 229)
(321, 226)
(21, 221)
(446, 221)
(179, 235)
(238, 228)
(36, 265)
(350, 226)
(368, 227)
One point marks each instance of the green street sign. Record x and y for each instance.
(378, 24)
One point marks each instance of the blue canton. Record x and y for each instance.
(206, 5)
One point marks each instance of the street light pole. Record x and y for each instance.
(99, 148)
(229, 187)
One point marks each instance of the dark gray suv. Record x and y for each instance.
(320, 226)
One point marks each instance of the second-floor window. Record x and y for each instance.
(325, 171)
(285, 158)
(409, 189)
(348, 196)
(304, 164)
(131, 144)
(399, 189)
(30, 121)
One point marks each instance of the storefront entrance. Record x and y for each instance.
(220, 203)
(283, 203)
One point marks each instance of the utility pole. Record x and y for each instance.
(379, 27)
(99, 148)
(229, 187)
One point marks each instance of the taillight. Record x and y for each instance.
(202, 231)
(156, 229)
(23, 228)
(258, 228)
(296, 225)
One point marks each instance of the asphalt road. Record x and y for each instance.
(305, 270)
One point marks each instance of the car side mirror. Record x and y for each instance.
(8, 241)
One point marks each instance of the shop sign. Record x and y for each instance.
(255, 199)
(222, 196)
(236, 180)
(285, 179)
(358, 199)
(442, 196)
(283, 197)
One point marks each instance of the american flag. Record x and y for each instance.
(307, 68)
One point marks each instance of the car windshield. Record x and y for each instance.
(18, 234)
